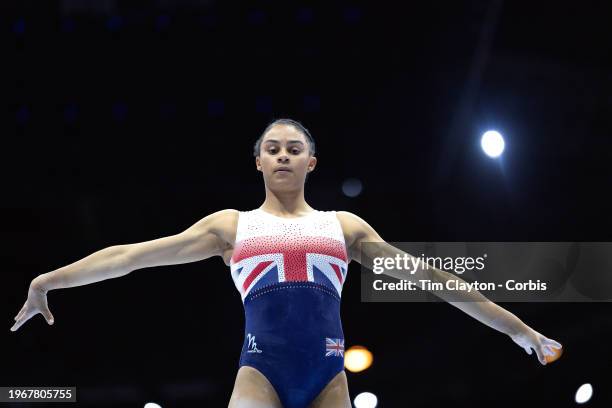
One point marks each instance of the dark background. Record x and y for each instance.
(128, 121)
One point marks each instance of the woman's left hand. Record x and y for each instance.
(530, 339)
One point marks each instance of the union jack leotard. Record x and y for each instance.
(289, 273)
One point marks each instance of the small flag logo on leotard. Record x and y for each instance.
(334, 347)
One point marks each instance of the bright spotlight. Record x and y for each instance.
(366, 400)
(584, 393)
(357, 358)
(151, 405)
(492, 143)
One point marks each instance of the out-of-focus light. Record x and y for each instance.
(305, 15)
(366, 400)
(352, 15)
(257, 17)
(120, 111)
(352, 187)
(357, 358)
(23, 114)
(71, 112)
(114, 23)
(492, 143)
(584, 393)
(19, 26)
(151, 405)
(162, 22)
(67, 25)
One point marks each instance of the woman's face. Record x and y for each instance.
(284, 158)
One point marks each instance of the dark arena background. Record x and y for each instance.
(128, 121)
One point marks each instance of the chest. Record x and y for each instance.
(295, 240)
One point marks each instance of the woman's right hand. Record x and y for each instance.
(36, 303)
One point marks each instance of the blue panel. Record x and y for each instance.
(269, 278)
(319, 277)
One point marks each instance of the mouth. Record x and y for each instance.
(283, 170)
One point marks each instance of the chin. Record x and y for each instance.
(283, 186)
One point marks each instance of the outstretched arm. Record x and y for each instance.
(204, 239)
(473, 303)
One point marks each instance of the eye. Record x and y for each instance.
(272, 150)
(295, 150)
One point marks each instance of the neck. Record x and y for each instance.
(285, 202)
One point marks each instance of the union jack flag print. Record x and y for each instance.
(334, 347)
(264, 261)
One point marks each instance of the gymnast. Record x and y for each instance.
(289, 262)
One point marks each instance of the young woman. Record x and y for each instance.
(289, 262)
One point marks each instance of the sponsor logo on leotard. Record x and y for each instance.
(334, 347)
(252, 346)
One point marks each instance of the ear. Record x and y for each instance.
(312, 163)
(258, 163)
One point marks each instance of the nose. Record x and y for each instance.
(283, 158)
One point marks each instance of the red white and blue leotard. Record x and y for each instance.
(290, 273)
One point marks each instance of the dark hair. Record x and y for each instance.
(294, 123)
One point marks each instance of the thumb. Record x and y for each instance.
(48, 316)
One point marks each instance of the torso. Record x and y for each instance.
(271, 250)
(290, 273)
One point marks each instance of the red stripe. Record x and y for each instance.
(337, 270)
(260, 267)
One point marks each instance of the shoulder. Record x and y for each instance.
(356, 230)
(226, 214)
(354, 226)
(348, 219)
(221, 223)
(221, 217)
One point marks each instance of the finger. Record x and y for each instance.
(18, 323)
(540, 355)
(548, 351)
(21, 310)
(528, 349)
(20, 315)
(48, 316)
(553, 343)
(26, 316)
